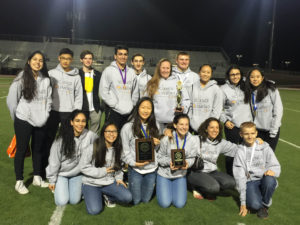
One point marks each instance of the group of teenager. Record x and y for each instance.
(176, 107)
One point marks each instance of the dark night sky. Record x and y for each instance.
(239, 26)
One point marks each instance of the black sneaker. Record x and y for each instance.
(262, 213)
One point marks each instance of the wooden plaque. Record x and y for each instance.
(144, 150)
(178, 157)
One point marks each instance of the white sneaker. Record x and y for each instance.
(38, 181)
(20, 187)
(108, 203)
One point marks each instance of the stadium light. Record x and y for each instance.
(270, 61)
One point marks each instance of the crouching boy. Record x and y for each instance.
(255, 169)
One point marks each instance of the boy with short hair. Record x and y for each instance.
(255, 169)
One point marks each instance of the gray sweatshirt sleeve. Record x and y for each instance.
(127, 154)
(277, 113)
(217, 104)
(78, 93)
(13, 97)
(223, 117)
(239, 172)
(163, 157)
(186, 103)
(119, 175)
(49, 97)
(104, 89)
(135, 93)
(87, 166)
(54, 161)
(272, 162)
(195, 148)
(228, 148)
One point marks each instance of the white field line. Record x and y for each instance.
(289, 143)
(57, 215)
(3, 96)
(291, 109)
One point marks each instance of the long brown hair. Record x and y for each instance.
(152, 84)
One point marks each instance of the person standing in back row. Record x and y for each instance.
(118, 88)
(66, 96)
(90, 79)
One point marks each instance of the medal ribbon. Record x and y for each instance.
(183, 141)
(254, 106)
(144, 132)
(252, 154)
(123, 77)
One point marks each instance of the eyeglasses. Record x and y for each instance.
(111, 131)
(235, 74)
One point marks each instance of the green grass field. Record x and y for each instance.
(37, 207)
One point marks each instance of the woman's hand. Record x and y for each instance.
(186, 166)
(168, 132)
(260, 141)
(52, 187)
(269, 173)
(137, 164)
(173, 167)
(121, 182)
(156, 141)
(243, 210)
(110, 170)
(229, 124)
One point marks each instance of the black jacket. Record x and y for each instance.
(96, 99)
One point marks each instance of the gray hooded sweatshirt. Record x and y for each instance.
(205, 102)
(96, 176)
(129, 156)
(59, 165)
(263, 159)
(187, 77)
(191, 148)
(269, 112)
(165, 99)
(234, 108)
(142, 80)
(36, 111)
(112, 90)
(66, 89)
(210, 151)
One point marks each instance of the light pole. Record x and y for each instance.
(239, 56)
(270, 61)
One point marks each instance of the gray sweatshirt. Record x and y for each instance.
(210, 151)
(66, 89)
(187, 77)
(129, 156)
(269, 112)
(165, 100)
(191, 148)
(142, 80)
(96, 176)
(263, 159)
(59, 165)
(234, 108)
(36, 111)
(112, 90)
(205, 102)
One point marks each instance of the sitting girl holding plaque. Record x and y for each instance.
(175, 156)
(141, 130)
(102, 174)
(209, 181)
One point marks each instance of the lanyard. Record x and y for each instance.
(252, 154)
(123, 77)
(183, 141)
(144, 132)
(254, 102)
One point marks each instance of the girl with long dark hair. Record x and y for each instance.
(102, 174)
(171, 186)
(29, 102)
(142, 125)
(235, 111)
(266, 106)
(63, 171)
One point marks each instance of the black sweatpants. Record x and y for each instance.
(24, 131)
(265, 135)
(115, 117)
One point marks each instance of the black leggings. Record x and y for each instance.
(265, 135)
(210, 183)
(24, 131)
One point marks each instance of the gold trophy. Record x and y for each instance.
(178, 98)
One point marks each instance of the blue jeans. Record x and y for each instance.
(67, 189)
(141, 186)
(171, 191)
(93, 196)
(259, 192)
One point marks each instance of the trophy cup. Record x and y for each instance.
(178, 98)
